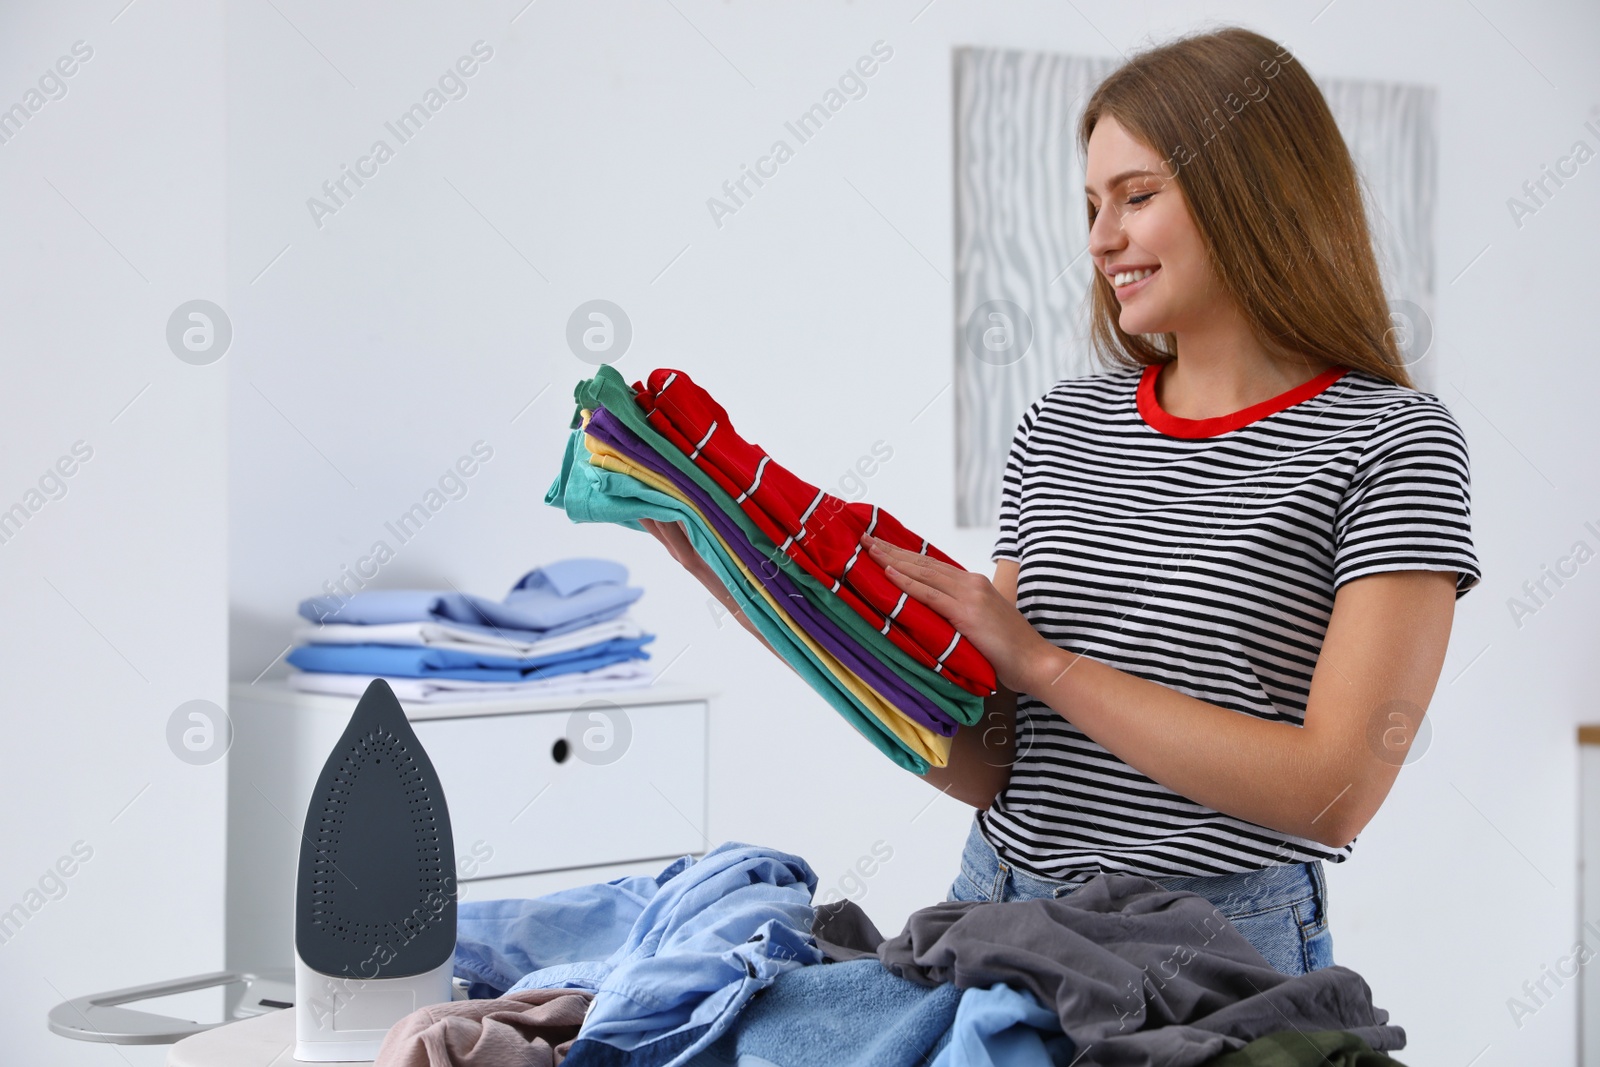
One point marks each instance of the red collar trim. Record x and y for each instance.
(1173, 426)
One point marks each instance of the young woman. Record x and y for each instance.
(1226, 570)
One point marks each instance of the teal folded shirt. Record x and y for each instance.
(593, 494)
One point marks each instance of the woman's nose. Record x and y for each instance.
(1105, 234)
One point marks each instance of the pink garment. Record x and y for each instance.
(534, 1028)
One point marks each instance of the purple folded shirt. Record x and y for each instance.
(915, 704)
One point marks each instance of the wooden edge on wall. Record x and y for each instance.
(1589, 735)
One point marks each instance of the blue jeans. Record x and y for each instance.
(1281, 910)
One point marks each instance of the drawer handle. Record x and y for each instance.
(560, 750)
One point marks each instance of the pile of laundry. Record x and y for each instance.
(788, 552)
(563, 628)
(724, 960)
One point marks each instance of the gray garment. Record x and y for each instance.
(843, 932)
(1138, 974)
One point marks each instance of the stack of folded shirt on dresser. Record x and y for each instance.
(563, 628)
(787, 551)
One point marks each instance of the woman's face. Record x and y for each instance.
(1141, 222)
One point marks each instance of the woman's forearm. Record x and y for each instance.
(1263, 772)
(1322, 779)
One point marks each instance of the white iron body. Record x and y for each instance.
(339, 1019)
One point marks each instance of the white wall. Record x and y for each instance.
(115, 593)
(370, 352)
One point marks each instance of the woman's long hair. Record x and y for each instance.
(1271, 187)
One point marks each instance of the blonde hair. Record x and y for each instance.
(1272, 190)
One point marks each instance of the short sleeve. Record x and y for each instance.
(1005, 545)
(1408, 506)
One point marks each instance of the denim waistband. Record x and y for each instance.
(1236, 895)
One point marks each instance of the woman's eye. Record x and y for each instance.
(1132, 201)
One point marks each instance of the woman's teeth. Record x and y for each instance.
(1129, 276)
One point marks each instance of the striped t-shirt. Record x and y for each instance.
(1203, 554)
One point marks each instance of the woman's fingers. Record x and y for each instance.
(926, 571)
(676, 538)
(670, 535)
(933, 597)
(956, 594)
(653, 528)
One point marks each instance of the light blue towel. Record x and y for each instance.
(860, 1014)
(854, 1014)
(416, 661)
(552, 599)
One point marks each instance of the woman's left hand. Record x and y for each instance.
(971, 603)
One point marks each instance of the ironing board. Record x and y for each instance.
(264, 1041)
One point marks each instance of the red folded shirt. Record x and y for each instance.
(819, 531)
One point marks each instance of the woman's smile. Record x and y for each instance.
(1126, 283)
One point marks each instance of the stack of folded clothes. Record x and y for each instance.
(563, 628)
(788, 552)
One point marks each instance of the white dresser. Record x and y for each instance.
(543, 794)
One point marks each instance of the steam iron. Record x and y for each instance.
(375, 897)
